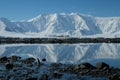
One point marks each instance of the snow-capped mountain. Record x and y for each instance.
(73, 24)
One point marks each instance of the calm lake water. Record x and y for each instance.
(66, 53)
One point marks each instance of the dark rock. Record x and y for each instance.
(81, 73)
(14, 70)
(1, 79)
(86, 66)
(56, 65)
(31, 79)
(102, 65)
(9, 66)
(38, 62)
(63, 70)
(18, 65)
(28, 60)
(8, 77)
(44, 77)
(73, 68)
(30, 65)
(114, 77)
(15, 58)
(3, 59)
(57, 75)
(43, 59)
(30, 71)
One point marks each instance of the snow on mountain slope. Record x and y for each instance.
(2, 26)
(73, 24)
(108, 25)
(66, 53)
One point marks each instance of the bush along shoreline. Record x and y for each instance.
(16, 68)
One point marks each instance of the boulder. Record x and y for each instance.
(44, 77)
(102, 65)
(56, 75)
(114, 77)
(43, 59)
(31, 79)
(3, 59)
(28, 60)
(15, 58)
(86, 66)
(56, 65)
(9, 66)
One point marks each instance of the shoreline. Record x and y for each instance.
(63, 40)
(16, 68)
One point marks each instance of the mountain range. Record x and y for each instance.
(62, 24)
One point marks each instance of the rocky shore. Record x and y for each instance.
(16, 68)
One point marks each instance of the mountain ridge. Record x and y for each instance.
(73, 24)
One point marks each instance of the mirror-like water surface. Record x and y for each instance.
(66, 53)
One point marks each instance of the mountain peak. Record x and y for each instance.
(72, 24)
(42, 16)
(4, 19)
